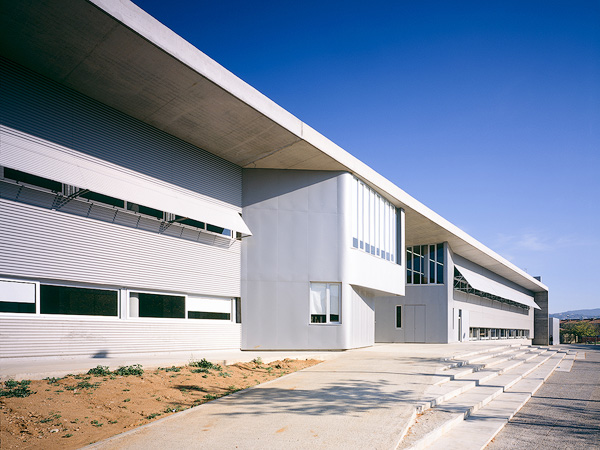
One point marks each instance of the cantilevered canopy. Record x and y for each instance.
(33, 155)
(116, 53)
(484, 284)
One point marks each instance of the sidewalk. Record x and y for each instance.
(362, 398)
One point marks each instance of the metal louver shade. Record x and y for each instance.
(484, 284)
(39, 157)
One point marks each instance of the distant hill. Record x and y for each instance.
(578, 314)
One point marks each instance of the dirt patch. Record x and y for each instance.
(76, 410)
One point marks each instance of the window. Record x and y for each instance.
(325, 302)
(374, 226)
(34, 180)
(398, 316)
(17, 296)
(78, 301)
(156, 305)
(94, 196)
(425, 264)
(144, 210)
(209, 308)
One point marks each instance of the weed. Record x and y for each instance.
(52, 380)
(87, 385)
(16, 389)
(269, 370)
(158, 399)
(278, 366)
(68, 435)
(96, 423)
(170, 409)
(60, 390)
(257, 361)
(112, 422)
(126, 390)
(172, 369)
(99, 371)
(204, 376)
(204, 364)
(233, 389)
(127, 400)
(51, 418)
(224, 374)
(153, 415)
(210, 396)
(201, 370)
(135, 369)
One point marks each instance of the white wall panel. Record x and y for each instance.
(44, 244)
(48, 336)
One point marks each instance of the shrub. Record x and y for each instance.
(204, 364)
(99, 371)
(135, 369)
(16, 389)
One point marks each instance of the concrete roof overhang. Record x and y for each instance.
(116, 53)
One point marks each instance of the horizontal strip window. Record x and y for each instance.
(208, 315)
(480, 334)
(65, 193)
(78, 301)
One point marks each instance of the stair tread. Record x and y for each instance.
(447, 414)
(484, 424)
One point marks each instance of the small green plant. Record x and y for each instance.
(127, 400)
(204, 376)
(200, 370)
(51, 418)
(135, 369)
(210, 396)
(269, 370)
(204, 364)
(52, 380)
(87, 385)
(172, 369)
(68, 435)
(170, 409)
(153, 415)
(96, 423)
(257, 361)
(99, 371)
(112, 421)
(16, 389)
(224, 374)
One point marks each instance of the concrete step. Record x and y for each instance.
(441, 392)
(449, 413)
(482, 426)
(491, 360)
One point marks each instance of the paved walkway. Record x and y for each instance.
(363, 398)
(564, 413)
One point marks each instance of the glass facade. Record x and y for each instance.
(374, 223)
(425, 264)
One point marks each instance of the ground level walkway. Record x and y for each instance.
(361, 398)
(564, 413)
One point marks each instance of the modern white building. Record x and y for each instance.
(152, 201)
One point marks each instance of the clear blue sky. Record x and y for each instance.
(488, 112)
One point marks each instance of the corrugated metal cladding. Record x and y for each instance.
(49, 336)
(43, 244)
(43, 108)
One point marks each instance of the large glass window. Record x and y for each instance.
(425, 264)
(78, 301)
(374, 226)
(156, 305)
(325, 302)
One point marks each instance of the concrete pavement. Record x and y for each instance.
(363, 398)
(564, 413)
